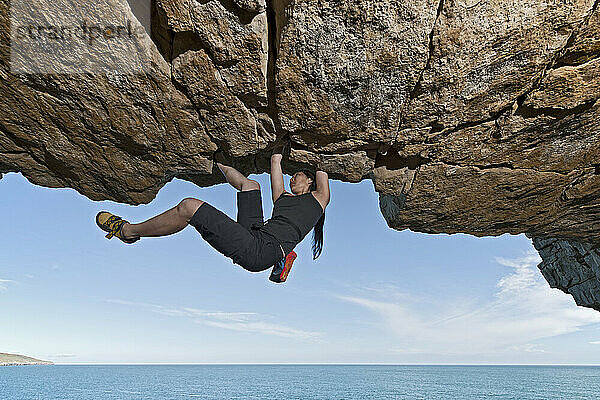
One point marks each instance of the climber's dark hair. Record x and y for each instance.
(317, 238)
(311, 175)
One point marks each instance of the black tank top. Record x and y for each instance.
(293, 217)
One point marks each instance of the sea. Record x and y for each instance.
(154, 382)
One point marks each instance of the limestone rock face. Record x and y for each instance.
(469, 116)
(219, 54)
(112, 136)
(345, 68)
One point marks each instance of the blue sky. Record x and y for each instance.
(374, 296)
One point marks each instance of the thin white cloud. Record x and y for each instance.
(595, 342)
(151, 307)
(237, 321)
(407, 350)
(264, 328)
(528, 348)
(524, 309)
(221, 315)
(389, 290)
(3, 283)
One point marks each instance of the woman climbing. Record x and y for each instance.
(249, 242)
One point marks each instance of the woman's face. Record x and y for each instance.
(300, 183)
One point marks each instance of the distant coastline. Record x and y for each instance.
(16, 359)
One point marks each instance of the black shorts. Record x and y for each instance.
(241, 241)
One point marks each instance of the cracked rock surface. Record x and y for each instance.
(469, 116)
(572, 267)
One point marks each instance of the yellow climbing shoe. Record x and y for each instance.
(113, 224)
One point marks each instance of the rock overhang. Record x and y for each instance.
(468, 117)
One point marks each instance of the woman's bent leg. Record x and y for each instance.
(236, 179)
(167, 223)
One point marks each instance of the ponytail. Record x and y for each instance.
(317, 239)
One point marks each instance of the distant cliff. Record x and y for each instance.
(16, 359)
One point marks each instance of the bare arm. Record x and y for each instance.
(322, 192)
(276, 175)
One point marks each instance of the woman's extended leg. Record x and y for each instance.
(167, 223)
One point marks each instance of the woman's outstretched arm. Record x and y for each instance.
(276, 174)
(322, 192)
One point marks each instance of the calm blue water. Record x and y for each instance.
(298, 382)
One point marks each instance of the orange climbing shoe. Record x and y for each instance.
(280, 272)
(113, 224)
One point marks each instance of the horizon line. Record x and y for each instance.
(341, 364)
